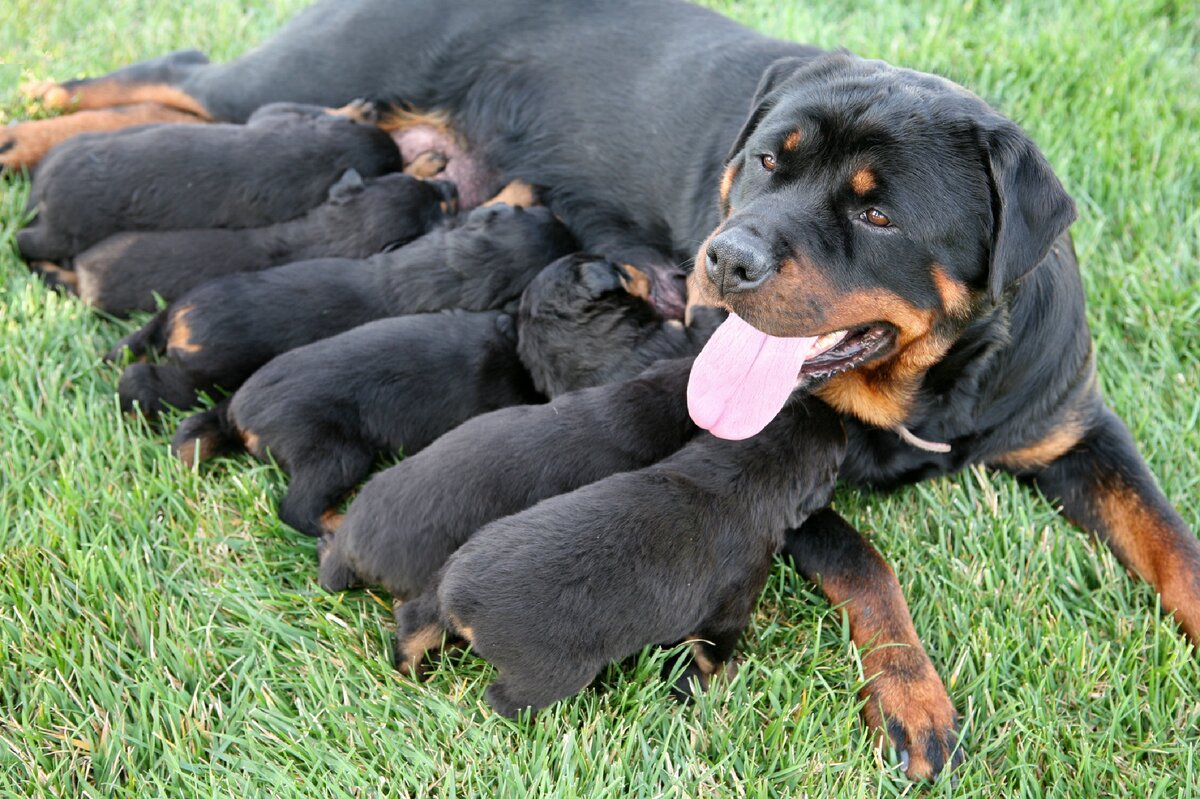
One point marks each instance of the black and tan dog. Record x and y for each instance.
(410, 518)
(585, 321)
(888, 206)
(676, 551)
(128, 271)
(326, 419)
(278, 165)
(217, 334)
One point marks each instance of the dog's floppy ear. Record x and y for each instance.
(349, 184)
(764, 98)
(1030, 208)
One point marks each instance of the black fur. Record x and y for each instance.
(675, 551)
(126, 271)
(239, 322)
(278, 165)
(409, 519)
(328, 410)
(580, 325)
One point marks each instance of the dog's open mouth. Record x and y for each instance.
(743, 377)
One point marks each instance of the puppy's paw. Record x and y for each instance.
(56, 277)
(911, 705)
(501, 698)
(51, 94)
(427, 164)
(367, 112)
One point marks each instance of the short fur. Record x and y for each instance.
(126, 272)
(676, 551)
(580, 325)
(409, 519)
(227, 328)
(278, 165)
(328, 410)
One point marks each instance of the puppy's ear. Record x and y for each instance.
(600, 277)
(348, 185)
(1030, 208)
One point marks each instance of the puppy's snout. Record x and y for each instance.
(737, 260)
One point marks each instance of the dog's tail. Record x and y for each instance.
(151, 387)
(150, 337)
(206, 435)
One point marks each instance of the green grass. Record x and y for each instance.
(161, 634)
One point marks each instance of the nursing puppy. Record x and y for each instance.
(124, 272)
(219, 333)
(278, 165)
(585, 321)
(675, 552)
(327, 411)
(409, 519)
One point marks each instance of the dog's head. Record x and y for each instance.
(879, 209)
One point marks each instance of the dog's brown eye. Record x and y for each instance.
(768, 162)
(876, 217)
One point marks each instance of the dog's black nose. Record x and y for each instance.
(737, 260)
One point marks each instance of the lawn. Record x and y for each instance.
(162, 634)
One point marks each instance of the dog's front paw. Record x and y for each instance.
(911, 705)
(367, 112)
(51, 94)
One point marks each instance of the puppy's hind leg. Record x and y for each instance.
(318, 483)
(709, 654)
(334, 572)
(535, 688)
(150, 388)
(419, 634)
(206, 435)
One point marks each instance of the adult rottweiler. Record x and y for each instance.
(832, 193)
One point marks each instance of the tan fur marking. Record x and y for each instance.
(426, 165)
(726, 186)
(100, 94)
(252, 443)
(180, 339)
(636, 282)
(1150, 547)
(32, 140)
(863, 181)
(459, 628)
(517, 194)
(1049, 449)
(399, 119)
(902, 682)
(331, 520)
(708, 667)
(956, 298)
(66, 278)
(793, 140)
(417, 645)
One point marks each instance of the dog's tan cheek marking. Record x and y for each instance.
(955, 297)
(637, 283)
(517, 194)
(1145, 543)
(863, 181)
(180, 340)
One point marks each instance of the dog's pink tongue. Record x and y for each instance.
(742, 378)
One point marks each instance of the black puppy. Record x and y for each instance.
(124, 272)
(585, 321)
(409, 519)
(328, 410)
(219, 333)
(675, 552)
(278, 165)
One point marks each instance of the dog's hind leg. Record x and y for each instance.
(419, 633)
(153, 387)
(905, 698)
(1103, 485)
(708, 655)
(535, 688)
(318, 483)
(206, 435)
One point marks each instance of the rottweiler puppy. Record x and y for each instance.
(410, 518)
(126, 272)
(677, 551)
(278, 165)
(586, 320)
(219, 333)
(328, 410)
